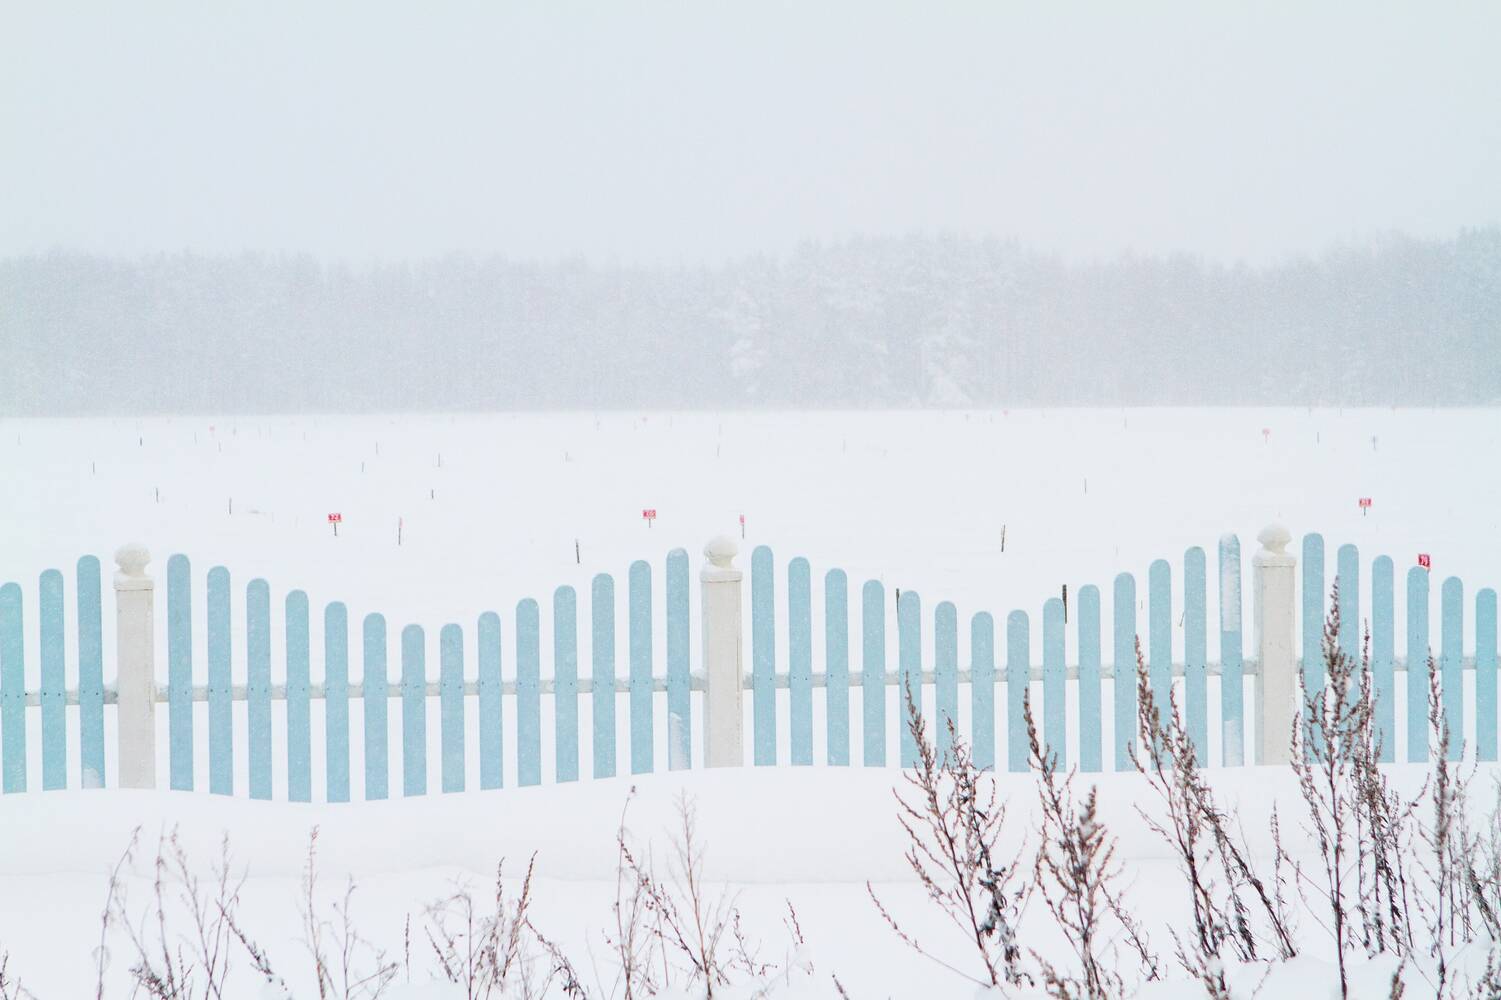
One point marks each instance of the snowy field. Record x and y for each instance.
(917, 500)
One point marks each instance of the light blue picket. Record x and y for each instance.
(1089, 678)
(1451, 663)
(1485, 674)
(258, 685)
(1018, 679)
(299, 704)
(375, 693)
(800, 660)
(492, 754)
(528, 694)
(1160, 636)
(180, 673)
(602, 651)
(413, 712)
(1124, 617)
(982, 688)
(1347, 578)
(836, 624)
(945, 675)
(1054, 685)
(1417, 664)
(1196, 653)
(641, 668)
(1383, 656)
(909, 671)
(565, 673)
(679, 684)
(763, 657)
(1313, 621)
(90, 675)
(12, 692)
(54, 693)
(873, 672)
(1232, 665)
(336, 701)
(220, 685)
(451, 705)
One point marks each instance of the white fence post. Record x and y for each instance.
(135, 666)
(724, 675)
(1276, 626)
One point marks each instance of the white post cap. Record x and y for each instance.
(720, 552)
(131, 560)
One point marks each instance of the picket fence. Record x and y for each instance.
(1072, 693)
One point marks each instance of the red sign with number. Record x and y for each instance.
(650, 513)
(1425, 560)
(1365, 501)
(335, 518)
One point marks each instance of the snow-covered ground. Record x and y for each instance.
(918, 500)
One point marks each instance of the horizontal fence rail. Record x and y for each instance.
(864, 652)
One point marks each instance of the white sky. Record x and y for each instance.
(692, 131)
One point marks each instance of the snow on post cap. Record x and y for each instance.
(132, 560)
(721, 551)
(1274, 538)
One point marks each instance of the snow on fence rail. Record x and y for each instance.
(1078, 692)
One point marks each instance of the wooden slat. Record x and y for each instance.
(12, 692)
(982, 688)
(1485, 674)
(945, 675)
(1018, 680)
(180, 673)
(873, 672)
(1196, 652)
(54, 690)
(836, 624)
(413, 712)
(1160, 636)
(679, 681)
(451, 706)
(800, 660)
(1232, 673)
(299, 707)
(639, 636)
(763, 657)
(90, 674)
(1383, 656)
(1054, 686)
(489, 689)
(373, 696)
(565, 669)
(1090, 722)
(909, 671)
(528, 693)
(602, 654)
(1313, 620)
(1451, 663)
(336, 701)
(1124, 693)
(258, 685)
(1417, 664)
(220, 685)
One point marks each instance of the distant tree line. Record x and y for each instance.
(917, 321)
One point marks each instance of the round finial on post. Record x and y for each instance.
(721, 552)
(1274, 538)
(131, 560)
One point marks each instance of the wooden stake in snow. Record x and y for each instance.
(1065, 604)
(1003, 538)
(398, 531)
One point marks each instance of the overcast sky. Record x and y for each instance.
(690, 132)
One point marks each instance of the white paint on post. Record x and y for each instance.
(135, 662)
(1276, 652)
(724, 673)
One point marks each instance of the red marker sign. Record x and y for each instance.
(742, 525)
(649, 514)
(334, 520)
(1266, 434)
(1425, 560)
(1365, 501)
